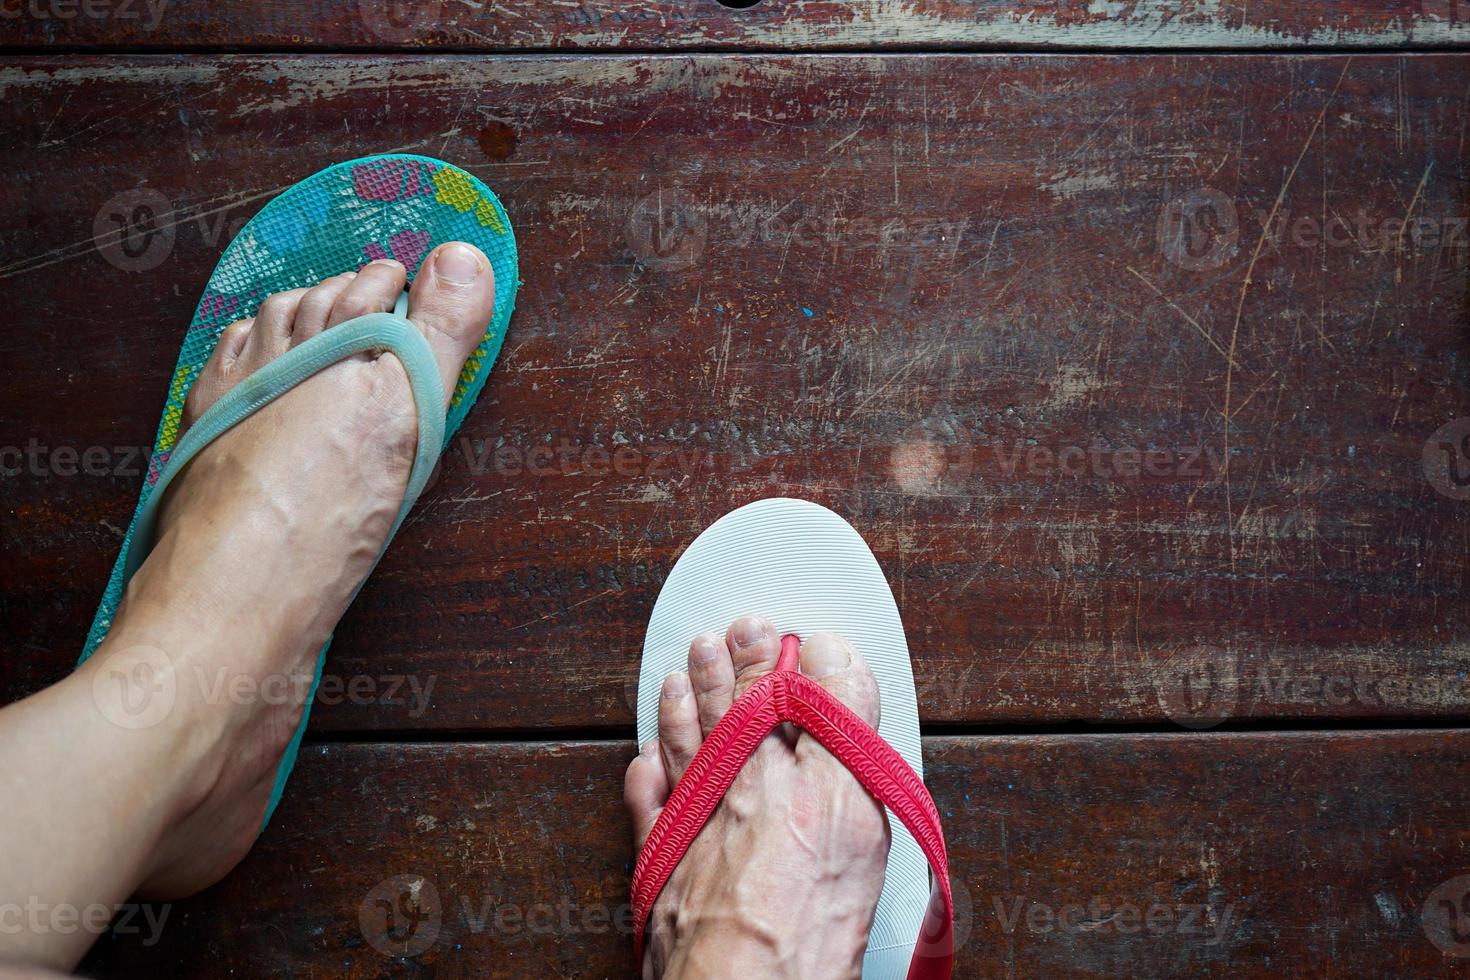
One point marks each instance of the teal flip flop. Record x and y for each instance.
(397, 206)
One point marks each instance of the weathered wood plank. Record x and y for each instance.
(1208, 855)
(904, 287)
(775, 25)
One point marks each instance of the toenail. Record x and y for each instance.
(390, 263)
(706, 649)
(750, 631)
(457, 264)
(824, 656)
(676, 685)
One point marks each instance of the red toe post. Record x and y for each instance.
(790, 658)
(784, 695)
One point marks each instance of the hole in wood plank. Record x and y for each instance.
(739, 4)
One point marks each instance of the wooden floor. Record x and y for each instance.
(1135, 338)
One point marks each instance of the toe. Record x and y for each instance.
(712, 673)
(754, 648)
(274, 322)
(834, 663)
(231, 344)
(452, 300)
(678, 725)
(316, 306)
(645, 791)
(375, 290)
(218, 374)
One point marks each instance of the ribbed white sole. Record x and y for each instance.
(806, 570)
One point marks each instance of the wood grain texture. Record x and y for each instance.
(919, 290)
(592, 25)
(1261, 855)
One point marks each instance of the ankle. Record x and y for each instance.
(186, 696)
(150, 761)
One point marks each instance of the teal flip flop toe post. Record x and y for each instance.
(397, 206)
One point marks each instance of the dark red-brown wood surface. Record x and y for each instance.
(1140, 372)
(513, 25)
(901, 286)
(1248, 855)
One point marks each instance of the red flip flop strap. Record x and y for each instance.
(884, 773)
(788, 696)
(719, 760)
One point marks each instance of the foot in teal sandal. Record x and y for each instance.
(308, 408)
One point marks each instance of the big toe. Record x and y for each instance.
(834, 663)
(452, 300)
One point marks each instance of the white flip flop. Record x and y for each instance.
(806, 570)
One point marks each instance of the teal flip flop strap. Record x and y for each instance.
(376, 331)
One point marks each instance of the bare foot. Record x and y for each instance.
(263, 540)
(784, 879)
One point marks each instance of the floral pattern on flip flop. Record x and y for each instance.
(392, 180)
(408, 247)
